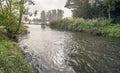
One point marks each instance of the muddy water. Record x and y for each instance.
(53, 51)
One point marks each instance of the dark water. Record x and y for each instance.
(52, 51)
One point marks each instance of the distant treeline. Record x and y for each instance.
(51, 15)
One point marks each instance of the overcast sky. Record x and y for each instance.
(50, 4)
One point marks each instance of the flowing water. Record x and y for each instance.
(53, 51)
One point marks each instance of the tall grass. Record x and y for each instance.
(103, 26)
(12, 59)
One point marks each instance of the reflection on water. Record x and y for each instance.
(52, 51)
(43, 27)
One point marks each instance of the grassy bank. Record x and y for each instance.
(11, 56)
(94, 26)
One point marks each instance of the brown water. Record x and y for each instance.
(53, 51)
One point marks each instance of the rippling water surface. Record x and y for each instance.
(53, 51)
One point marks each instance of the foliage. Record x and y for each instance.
(2, 36)
(22, 29)
(11, 57)
(104, 26)
(9, 22)
(112, 30)
(94, 8)
(11, 12)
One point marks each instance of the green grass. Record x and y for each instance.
(112, 30)
(104, 26)
(11, 57)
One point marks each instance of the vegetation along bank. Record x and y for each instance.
(11, 57)
(98, 27)
(98, 17)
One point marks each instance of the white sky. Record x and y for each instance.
(50, 4)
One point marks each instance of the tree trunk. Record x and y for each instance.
(20, 20)
(109, 15)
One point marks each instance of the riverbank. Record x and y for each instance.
(11, 57)
(97, 27)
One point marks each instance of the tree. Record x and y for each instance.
(35, 13)
(49, 16)
(116, 12)
(60, 14)
(94, 8)
(8, 16)
(110, 6)
(85, 8)
(21, 7)
(54, 14)
(11, 13)
(43, 17)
